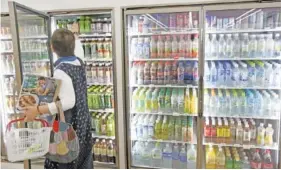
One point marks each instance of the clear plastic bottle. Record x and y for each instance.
(277, 45)
(261, 46)
(181, 46)
(236, 48)
(246, 163)
(235, 74)
(140, 53)
(175, 156)
(160, 47)
(229, 52)
(253, 45)
(146, 48)
(175, 47)
(183, 157)
(214, 74)
(244, 45)
(191, 157)
(208, 46)
(167, 156)
(168, 47)
(277, 75)
(268, 74)
(268, 141)
(220, 159)
(239, 133)
(221, 46)
(214, 46)
(269, 46)
(157, 156)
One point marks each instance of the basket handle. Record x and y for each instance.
(44, 122)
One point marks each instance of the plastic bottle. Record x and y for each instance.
(275, 104)
(164, 127)
(277, 45)
(140, 79)
(180, 100)
(236, 46)
(167, 73)
(158, 128)
(175, 47)
(142, 98)
(268, 74)
(160, 73)
(211, 158)
(191, 157)
(171, 128)
(160, 47)
(187, 101)
(174, 72)
(239, 133)
(221, 103)
(103, 151)
(251, 73)
(146, 154)
(245, 45)
(188, 74)
(145, 127)
(243, 74)
(188, 46)
(260, 73)
(207, 74)
(261, 46)
(194, 102)
(181, 46)
(184, 130)
(146, 73)
(269, 46)
(178, 129)
(154, 101)
(228, 161)
(256, 161)
(250, 109)
(175, 156)
(214, 74)
(253, 45)
(208, 46)
(168, 47)
(180, 73)
(139, 49)
(246, 163)
(228, 48)
(213, 102)
(167, 157)
(219, 131)
(168, 94)
(277, 75)
(268, 140)
(174, 100)
(157, 156)
(153, 47)
(110, 152)
(213, 131)
(220, 159)
(146, 48)
(161, 100)
(235, 72)
(195, 46)
(267, 160)
(195, 73)
(260, 136)
(183, 158)
(153, 73)
(232, 131)
(221, 46)
(97, 156)
(213, 46)
(253, 131)
(247, 134)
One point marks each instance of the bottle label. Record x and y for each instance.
(110, 152)
(255, 165)
(156, 156)
(183, 158)
(267, 166)
(175, 156)
(247, 136)
(167, 155)
(207, 132)
(213, 132)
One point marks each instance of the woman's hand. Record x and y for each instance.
(30, 113)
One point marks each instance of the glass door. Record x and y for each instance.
(30, 31)
(162, 53)
(242, 86)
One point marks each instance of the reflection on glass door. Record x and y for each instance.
(242, 88)
(163, 51)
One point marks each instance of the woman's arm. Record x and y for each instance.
(66, 95)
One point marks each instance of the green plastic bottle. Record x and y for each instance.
(158, 128)
(142, 100)
(168, 107)
(161, 100)
(110, 125)
(171, 128)
(165, 130)
(178, 129)
(154, 101)
(148, 100)
(82, 24)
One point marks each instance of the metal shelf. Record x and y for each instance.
(100, 84)
(168, 114)
(95, 35)
(166, 85)
(244, 31)
(97, 60)
(2, 52)
(164, 141)
(242, 58)
(102, 136)
(5, 37)
(244, 117)
(102, 110)
(246, 87)
(8, 74)
(245, 146)
(193, 31)
(164, 59)
(105, 164)
(35, 37)
(36, 61)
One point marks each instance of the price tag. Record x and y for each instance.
(168, 85)
(247, 146)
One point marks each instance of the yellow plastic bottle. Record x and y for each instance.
(220, 159)
(211, 158)
(187, 101)
(194, 100)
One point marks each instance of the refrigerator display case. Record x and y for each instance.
(7, 74)
(242, 86)
(93, 28)
(162, 74)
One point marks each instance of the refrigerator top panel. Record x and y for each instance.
(242, 87)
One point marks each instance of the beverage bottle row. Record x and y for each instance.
(238, 158)
(97, 48)
(164, 155)
(103, 124)
(255, 20)
(32, 29)
(100, 97)
(238, 131)
(5, 31)
(243, 74)
(9, 85)
(99, 72)
(163, 22)
(243, 45)
(7, 63)
(40, 68)
(167, 100)
(164, 73)
(6, 46)
(104, 151)
(34, 50)
(163, 128)
(235, 102)
(169, 46)
(86, 24)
